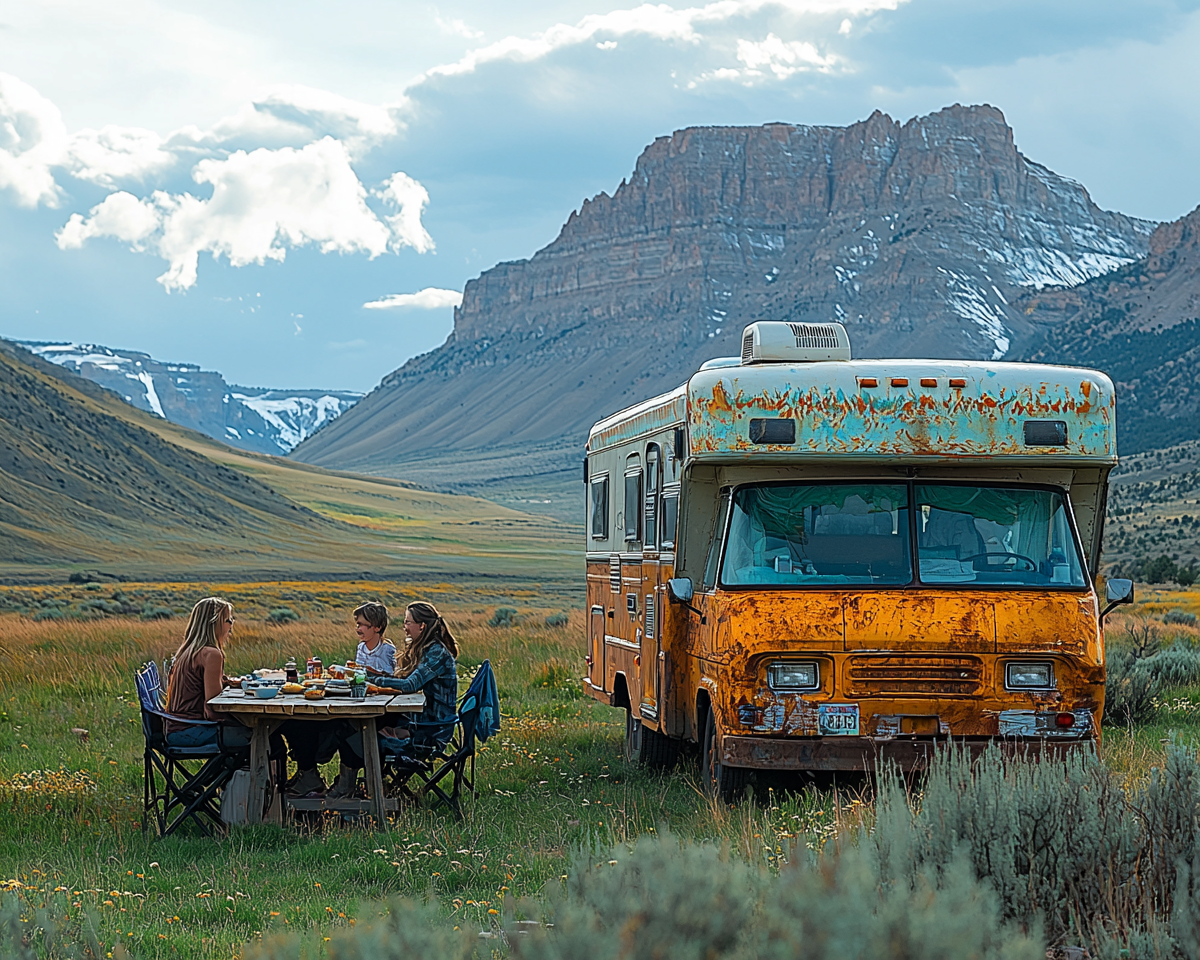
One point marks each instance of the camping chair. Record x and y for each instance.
(451, 750)
(186, 793)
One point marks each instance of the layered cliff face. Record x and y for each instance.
(252, 418)
(917, 236)
(1141, 325)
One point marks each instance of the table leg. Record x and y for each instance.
(373, 770)
(260, 769)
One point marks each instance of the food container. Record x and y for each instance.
(336, 671)
(291, 688)
(250, 688)
(246, 681)
(266, 691)
(314, 693)
(358, 691)
(317, 667)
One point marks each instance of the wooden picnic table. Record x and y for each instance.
(265, 716)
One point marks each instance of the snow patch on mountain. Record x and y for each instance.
(253, 418)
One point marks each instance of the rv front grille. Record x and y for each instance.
(931, 676)
(747, 346)
(812, 336)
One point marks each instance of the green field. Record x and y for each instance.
(552, 783)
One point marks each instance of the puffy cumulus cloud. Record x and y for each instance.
(408, 198)
(113, 154)
(692, 25)
(262, 202)
(120, 215)
(781, 57)
(32, 140)
(430, 298)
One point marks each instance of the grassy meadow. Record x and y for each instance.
(552, 783)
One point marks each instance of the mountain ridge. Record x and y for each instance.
(919, 236)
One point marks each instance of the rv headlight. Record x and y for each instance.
(1029, 676)
(793, 675)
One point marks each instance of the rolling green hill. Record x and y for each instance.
(88, 482)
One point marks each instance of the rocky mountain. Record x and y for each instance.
(1140, 324)
(919, 236)
(252, 418)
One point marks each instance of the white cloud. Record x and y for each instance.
(431, 298)
(262, 203)
(409, 198)
(295, 114)
(32, 140)
(782, 57)
(120, 215)
(458, 28)
(114, 153)
(658, 21)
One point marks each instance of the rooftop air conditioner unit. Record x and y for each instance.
(772, 341)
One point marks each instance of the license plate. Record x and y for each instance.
(838, 719)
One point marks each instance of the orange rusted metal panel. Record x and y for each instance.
(921, 620)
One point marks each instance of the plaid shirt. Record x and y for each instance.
(437, 676)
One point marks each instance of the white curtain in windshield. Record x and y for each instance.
(995, 535)
(807, 534)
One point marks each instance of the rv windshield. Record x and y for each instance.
(812, 534)
(855, 533)
(1010, 536)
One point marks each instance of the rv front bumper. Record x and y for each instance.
(865, 753)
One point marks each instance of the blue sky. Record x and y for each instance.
(229, 183)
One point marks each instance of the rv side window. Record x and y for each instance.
(633, 505)
(714, 547)
(600, 508)
(650, 514)
(670, 517)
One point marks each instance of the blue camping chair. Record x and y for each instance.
(440, 750)
(175, 789)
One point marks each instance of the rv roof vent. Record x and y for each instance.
(770, 341)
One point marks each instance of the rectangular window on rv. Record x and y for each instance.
(714, 547)
(600, 508)
(633, 506)
(999, 536)
(807, 534)
(670, 517)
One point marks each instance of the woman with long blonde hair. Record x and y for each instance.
(198, 675)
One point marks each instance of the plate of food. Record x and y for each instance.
(291, 688)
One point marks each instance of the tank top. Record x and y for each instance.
(187, 693)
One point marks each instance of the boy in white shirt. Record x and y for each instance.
(375, 651)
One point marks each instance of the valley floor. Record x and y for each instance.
(552, 784)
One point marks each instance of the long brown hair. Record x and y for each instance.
(201, 632)
(435, 631)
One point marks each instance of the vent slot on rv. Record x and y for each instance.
(771, 341)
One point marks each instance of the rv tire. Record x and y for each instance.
(647, 747)
(723, 782)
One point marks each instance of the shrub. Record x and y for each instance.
(503, 617)
(406, 930)
(152, 612)
(1180, 618)
(29, 934)
(1159, 570)
(562, 619)
(283, 615)
(1139, 670)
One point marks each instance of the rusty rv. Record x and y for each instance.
(805, 562)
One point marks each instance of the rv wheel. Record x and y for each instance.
(648, 747)
(721, 781)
